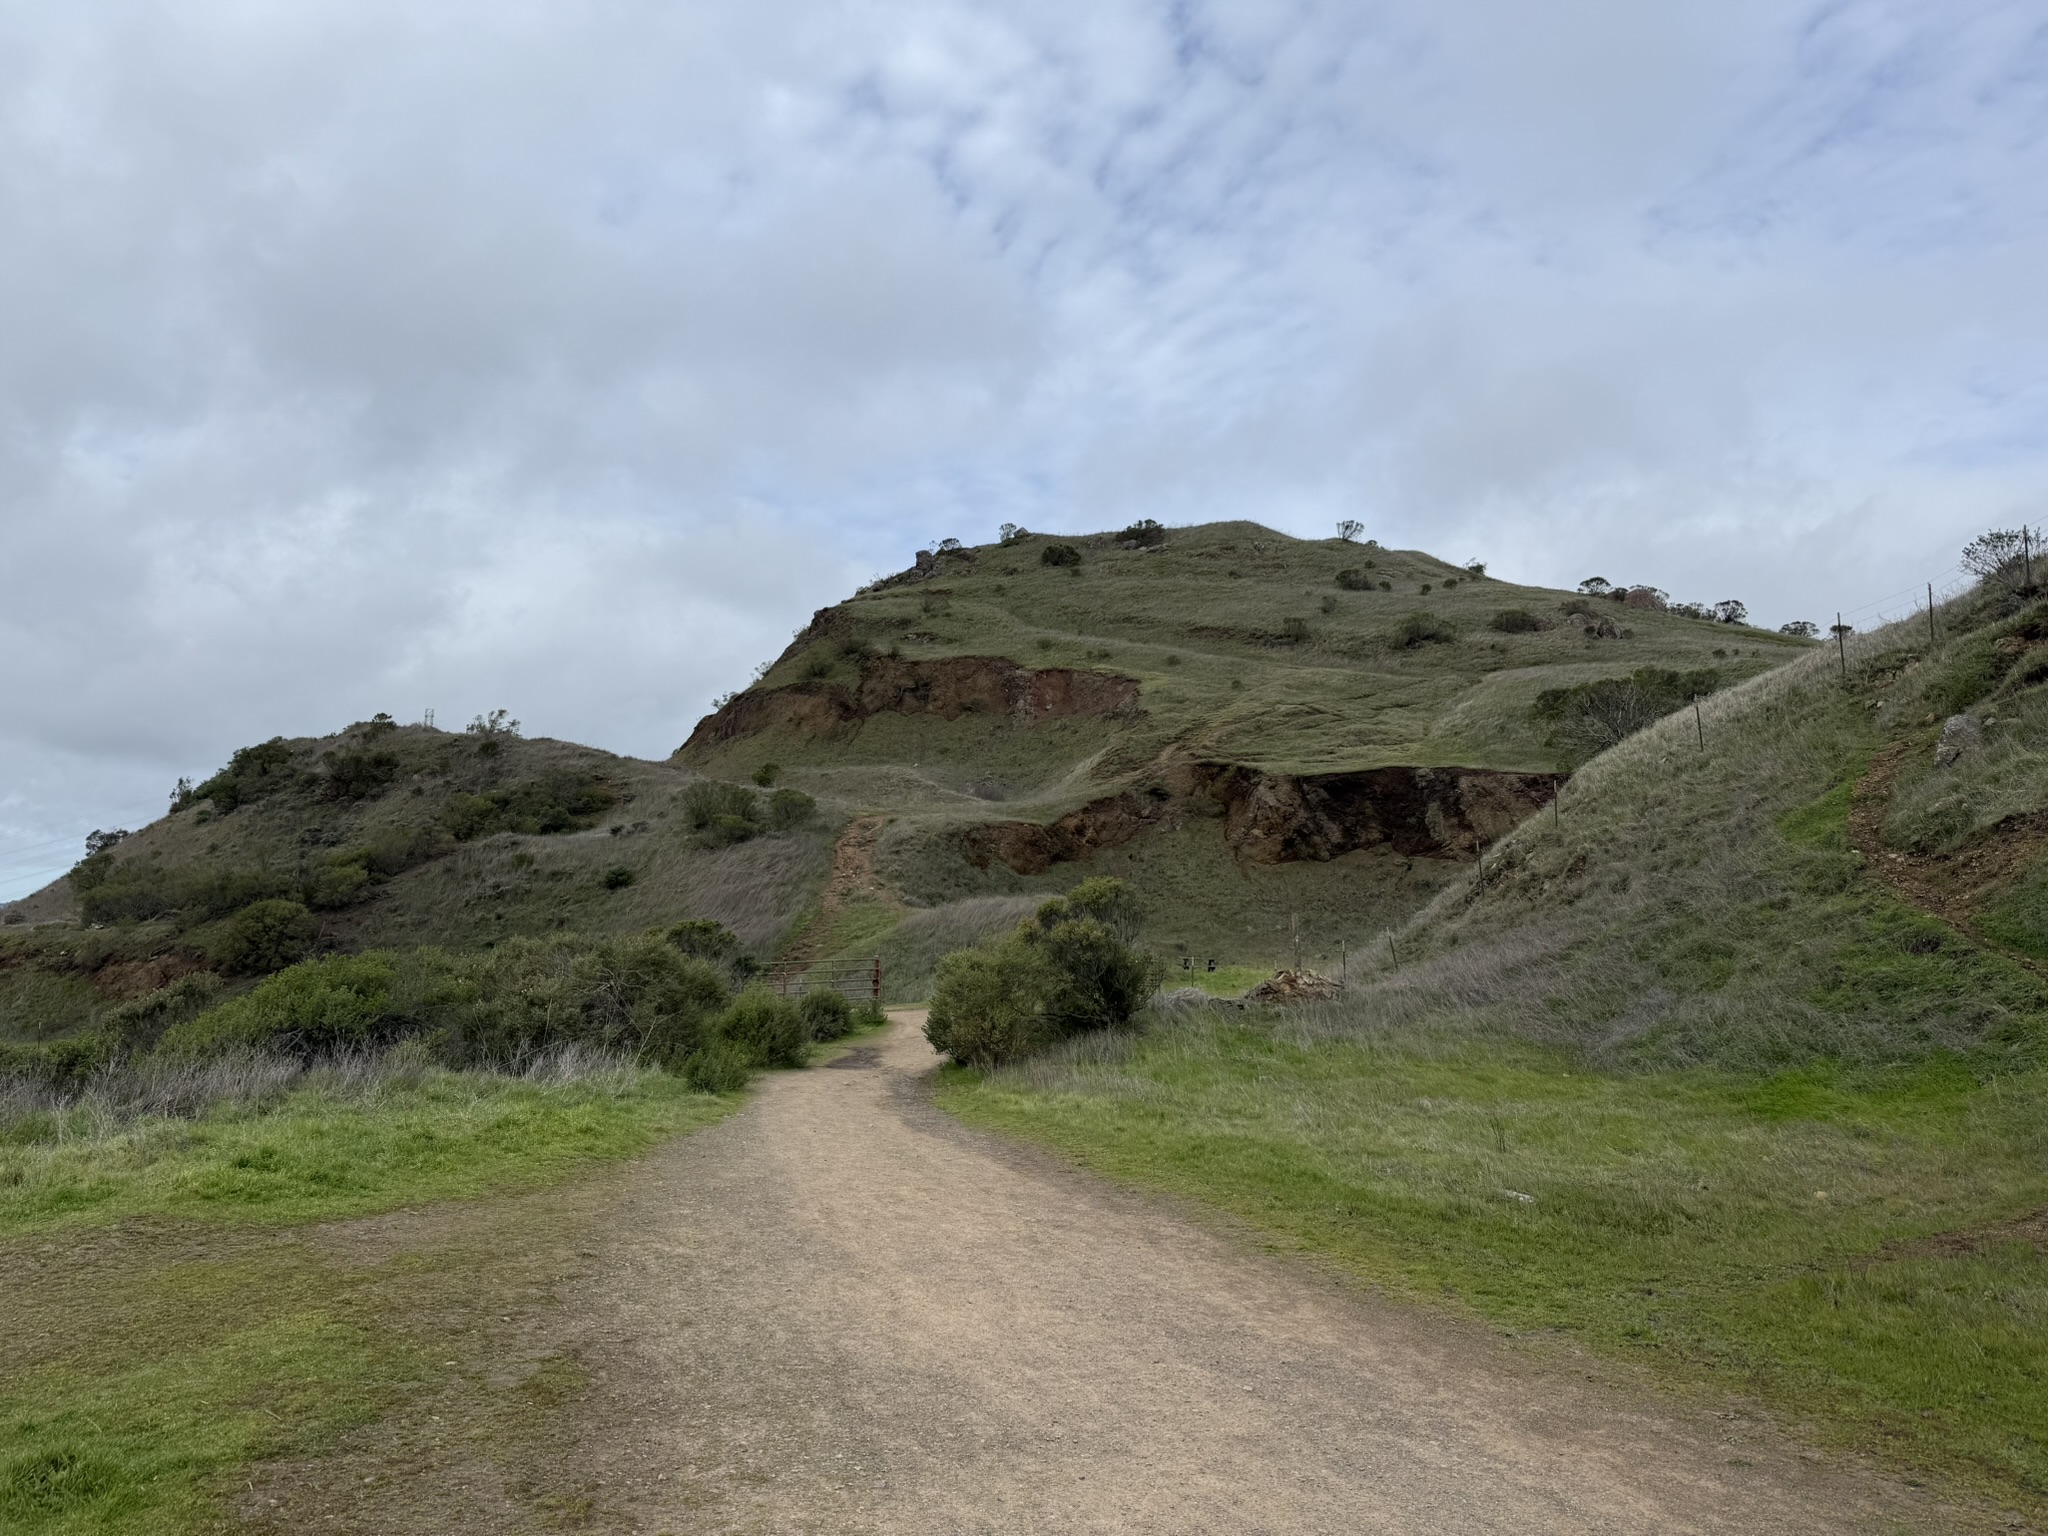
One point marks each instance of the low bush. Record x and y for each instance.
(1354, 580)
(1420, 629)
(251, 774)
(140, 1024)
(357, 774)
(826, 1015)
(1518, 621)
(721, 814)
(721, 1067)
(1059, 554)
(556, 802)
(617, 878)
(265, 936)
(1145, 533)
(768, 1028)
(1065, 971)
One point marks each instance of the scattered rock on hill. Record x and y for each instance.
(1295, 987)
(1959, 737)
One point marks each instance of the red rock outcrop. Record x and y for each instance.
(1282, 818)
(947, 687)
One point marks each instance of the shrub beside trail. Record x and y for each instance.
(1065, 971)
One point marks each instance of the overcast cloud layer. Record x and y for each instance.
(565, 357)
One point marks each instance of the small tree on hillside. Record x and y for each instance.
(1596, 586)
(2003, 554)
(1803, 629)
(1731, 610)
(1349, 529)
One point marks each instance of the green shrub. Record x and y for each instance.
(1354, 580)
(633, 994)
(768, 1028)
(357, 774)
(1518, 621)
(339, 1002)
(556, 802)
(265, 936)
(789, 809)
(1059, 554)
(251, 774)
(826, 1015)
(720, 814)
(767, 774)
(63, 1066)
(721, 1067)
(139, 1025)
(1145, 533)
(1066, 971)
(341, 881)
(1420, 629)
(1294, 631)
(702, 939)
(617, 878)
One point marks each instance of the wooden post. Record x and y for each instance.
(1699, 724)
(2027, 553)
(875, 988)
(1930, 614)
(1393, 954)
(1842, 645)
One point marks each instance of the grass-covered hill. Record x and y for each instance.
(1277, 741)
(389, 837)
(1734, 1066)
(1267, 736)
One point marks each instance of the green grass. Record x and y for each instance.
(1224, 981)
(166, 1332)
(1757, 1235)
(318, 1156)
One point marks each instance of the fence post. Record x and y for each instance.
(875, 992)
(1842, 645)
(1930, 614)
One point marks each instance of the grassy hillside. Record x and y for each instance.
(1733, 1066)
(390, 837)
(1226, 644)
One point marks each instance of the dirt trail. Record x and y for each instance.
(839, 1311)
(851, 877)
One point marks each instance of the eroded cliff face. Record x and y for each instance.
(1280, 818)
(948, 687)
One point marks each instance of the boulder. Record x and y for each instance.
(1960, 736)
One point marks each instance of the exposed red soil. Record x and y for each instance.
(1954, 887)
(947, 687)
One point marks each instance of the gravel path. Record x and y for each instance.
(839, 1311)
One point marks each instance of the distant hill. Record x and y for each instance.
(1277, 739)
(1283, 743)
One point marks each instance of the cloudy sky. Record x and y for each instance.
(368, 355)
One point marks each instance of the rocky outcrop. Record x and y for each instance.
(947, 687)
(1031, 848)
(1284, 818)
(1429, 813)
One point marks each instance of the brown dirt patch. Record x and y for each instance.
(1954, 887)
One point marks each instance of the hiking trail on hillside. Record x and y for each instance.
(841, 1311)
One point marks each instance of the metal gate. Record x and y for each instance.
(857, 982)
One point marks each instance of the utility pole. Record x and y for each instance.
(1842, 645)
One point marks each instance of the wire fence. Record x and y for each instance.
(858, 981)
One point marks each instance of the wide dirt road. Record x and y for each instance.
(838, 1311)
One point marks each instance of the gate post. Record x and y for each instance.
(875, 992)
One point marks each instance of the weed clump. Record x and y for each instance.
(1059, 554)
(1519, 621)
(1588, 718)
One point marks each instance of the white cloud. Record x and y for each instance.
(374, 356)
